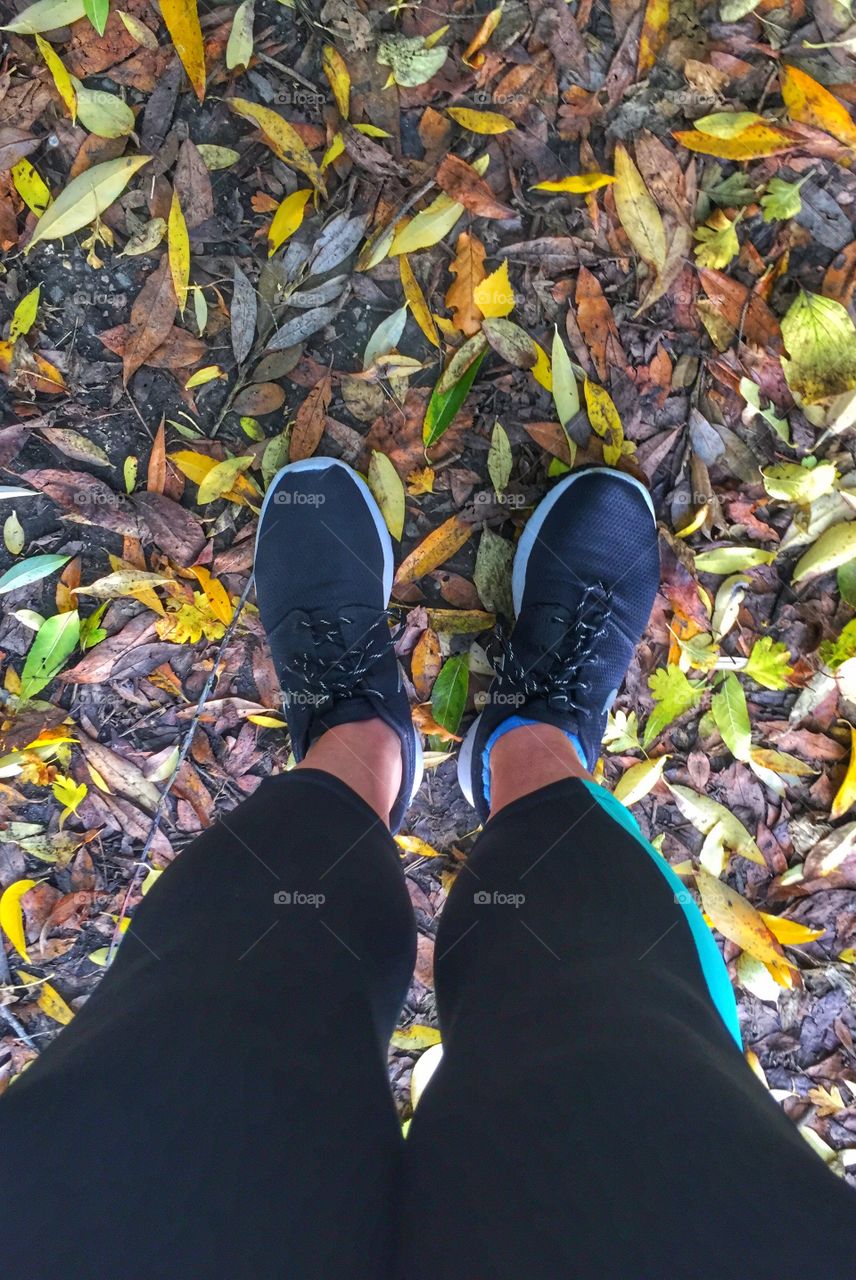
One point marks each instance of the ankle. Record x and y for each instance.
(528, 758)
(366, 756)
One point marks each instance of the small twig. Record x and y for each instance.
(17, 1028)
(142, 862)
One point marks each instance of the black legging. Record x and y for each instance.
(220, 1107)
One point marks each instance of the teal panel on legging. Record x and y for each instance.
(712, 963)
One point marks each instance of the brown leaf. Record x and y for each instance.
(840, 279)
(87, 498)
(745, 311)
(259, 399)
(97, 665)
(176, 531)
(310, 421)
(425, 663)
(468, 270)
(156, 478)
(460, 181)
(179, 349)
(598, 327)
(152, 316)
(192, 183)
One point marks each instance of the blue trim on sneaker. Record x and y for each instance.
(712, 964)
(516, 722)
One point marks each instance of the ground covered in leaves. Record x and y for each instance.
(462, 248)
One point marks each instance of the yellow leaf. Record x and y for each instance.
(202, 376)
(25, 313)
(428, 227)
(789, 932)
(419, 307)
(287, 218)
(494, 295)
(216, 593)
(542, 370)
(809, 103)
(104, 114)
(846, 794)
(835, 546)
(196, 466)
(820, 339)
(385, 484)
(480, 121)
(639, 779)
(335, 149)
(181, 19)
(85, 198)
(267, 722)
(12, 914)
(414, 844)
(471, 56)
(420, 481)
(49, 1000)
(727, 124)
(754, 143)
(653, 35)
(31, 187)
(336, 71)
(718, 242)
(61, 78)
(576, 183)
(604, 420)
(437, 547)
(179, 251)
(415, 1037)
(282, 138)
(69, 793)
(220, 479)
(639, 215)
(737, 920)
(139, 31)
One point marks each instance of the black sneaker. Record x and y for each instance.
(585, 575)
(324, 569)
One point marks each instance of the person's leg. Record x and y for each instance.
(220, 1108)
(592, 1117)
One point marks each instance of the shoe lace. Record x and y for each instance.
(559, 674)
(325, 682)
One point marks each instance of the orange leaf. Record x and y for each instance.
(809, 103)
(310, 421)
(653, 35)
(468, 270)
(434, 550)
(425, 663)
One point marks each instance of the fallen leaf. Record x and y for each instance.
(310, 421)
(181, 19)
(639, 215)
(439, 546)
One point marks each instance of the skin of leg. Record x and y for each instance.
(366, 756)
(528, 758)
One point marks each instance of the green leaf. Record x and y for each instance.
(444, 405)
(673, 694)
(790, 482)
(412, 60)
(30, 570)
(566, 393)
(492, 574)
(734, 192)
(820, 339)
(769, 664)
(97, 11)
(732, 559)
(782, 200)
(835, 652)
(847, 583)
(54, 644)
(732, 717)
(499, 458)
(386, 336)
(449, 695)
(46, 15)
(726, 124)
(622, 732)
(716, 245)
(751, 393)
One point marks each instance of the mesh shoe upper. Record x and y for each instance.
(585, 576)
(323, 574)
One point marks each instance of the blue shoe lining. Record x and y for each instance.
(515, 722)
